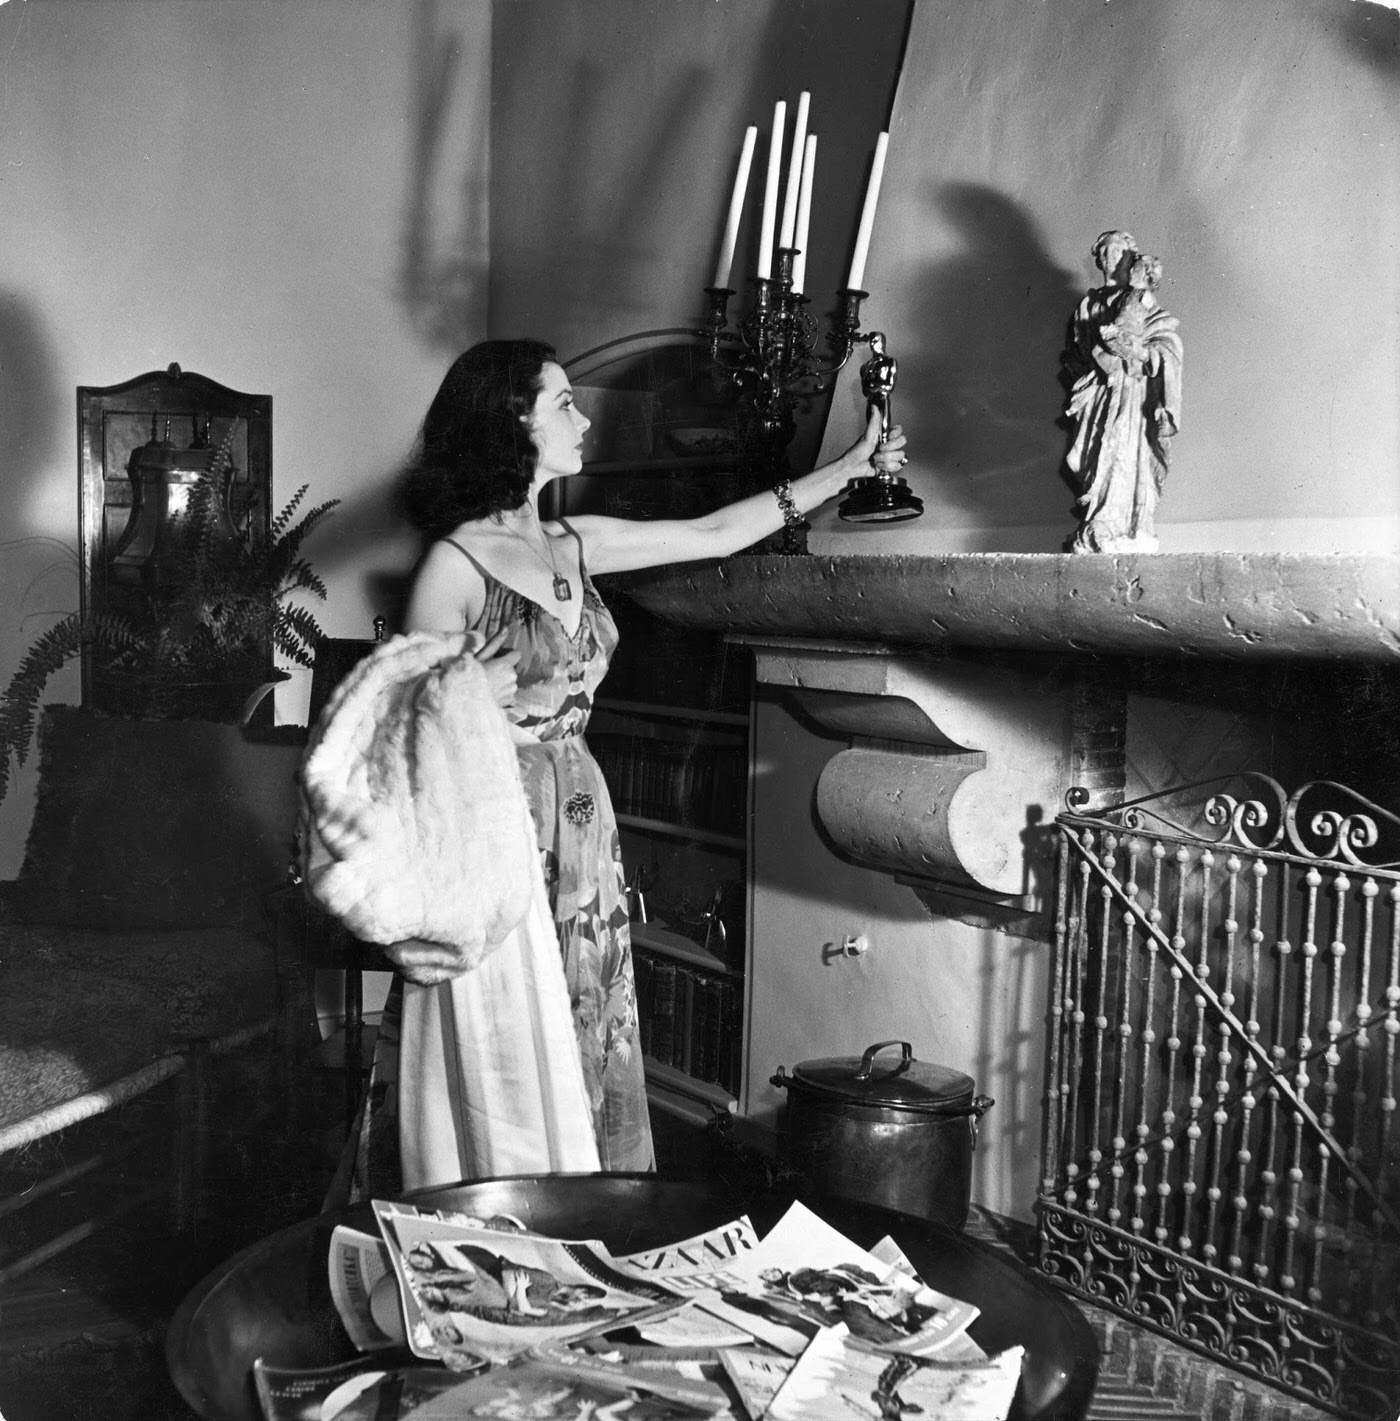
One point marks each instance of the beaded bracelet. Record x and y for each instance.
(783, 493)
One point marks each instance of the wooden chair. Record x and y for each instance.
(304, 933)
(336, 657)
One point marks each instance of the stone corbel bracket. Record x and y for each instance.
(955, 770)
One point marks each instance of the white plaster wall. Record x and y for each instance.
(288, 197)
(962, 996)
(1255, 147)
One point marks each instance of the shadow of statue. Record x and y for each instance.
(994, 319)
(1038, 844)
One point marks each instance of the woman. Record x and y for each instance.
(502, 426)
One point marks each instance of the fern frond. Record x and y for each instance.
(19, 706)
(293, 538)
(301, 577)
(295, 633)
(284, 518)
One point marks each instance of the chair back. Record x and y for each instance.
(336, 657)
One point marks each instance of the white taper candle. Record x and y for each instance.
(867, 216)
(804, 214)
(799, 139)
(770, 191)
(736, 208)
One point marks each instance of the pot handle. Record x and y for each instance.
(782, 1080)
(867, 1061)
(981, 1104)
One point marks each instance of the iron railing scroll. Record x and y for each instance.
(1221, 1153)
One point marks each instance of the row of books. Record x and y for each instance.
(698, 784)
(690, 1019)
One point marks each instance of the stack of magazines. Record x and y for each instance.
(463, 1317)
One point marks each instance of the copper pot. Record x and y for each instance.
(899, 1135)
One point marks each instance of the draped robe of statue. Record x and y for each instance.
(1125, 404)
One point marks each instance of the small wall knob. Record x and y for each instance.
(854, 944)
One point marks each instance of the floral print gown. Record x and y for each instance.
(582, 858)
(558, 675)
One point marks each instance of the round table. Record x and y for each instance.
(273, 1299)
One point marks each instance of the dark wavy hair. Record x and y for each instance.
(474, 456)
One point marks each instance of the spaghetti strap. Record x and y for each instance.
(574, 534)
(484, 573)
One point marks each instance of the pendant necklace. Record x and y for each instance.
(562, 591)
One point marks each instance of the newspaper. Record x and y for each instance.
(805, 1275)
(839, 1376)
(470, 1291)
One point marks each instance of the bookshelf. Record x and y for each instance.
(671, 725)
(679, 779)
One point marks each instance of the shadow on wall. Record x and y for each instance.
(444, 266)
(598, 249)
(1372, 32)
(40, 565)
(31, 407)
(366, 534)
(1010, 1067)
(996, 319)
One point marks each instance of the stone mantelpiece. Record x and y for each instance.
(952, 768)
(1230, 606)
(956, 763)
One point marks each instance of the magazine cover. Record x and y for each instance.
(712, 1249)
(358, 1263)
(480, 1292)
(837, 1376)
(956, 1348)
(367, 1387)
(804, 1275)
(501, 1223)
(756, 1376)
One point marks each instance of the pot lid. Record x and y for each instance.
(880, 1077)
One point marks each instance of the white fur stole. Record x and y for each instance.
(414, 821)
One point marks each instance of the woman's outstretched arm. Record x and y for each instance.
(625, 544)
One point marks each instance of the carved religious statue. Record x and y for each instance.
(1124, 362)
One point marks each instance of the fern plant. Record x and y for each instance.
(19, 707)
(222, 610)
(227, 605)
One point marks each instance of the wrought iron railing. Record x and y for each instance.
(1222, 1155)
